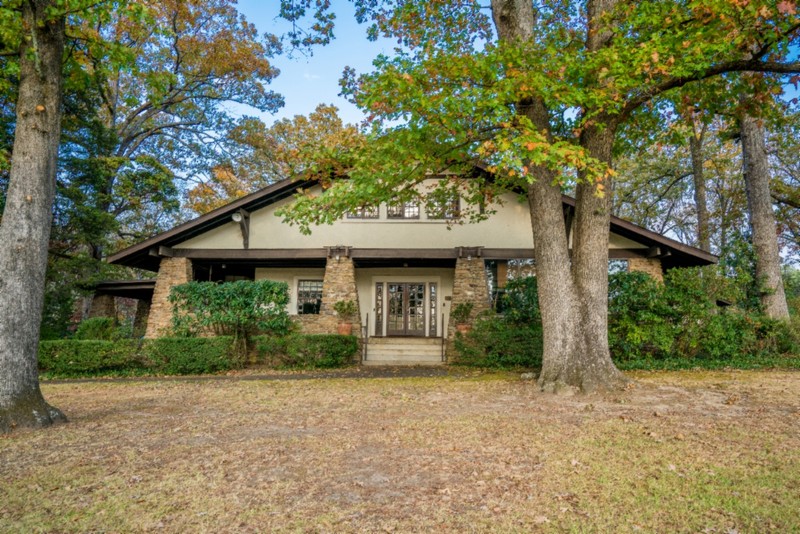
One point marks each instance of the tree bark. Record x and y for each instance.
(25, 228)
(573, 296)
(762, 219)
(698, 177)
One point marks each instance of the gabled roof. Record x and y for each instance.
(138, 255)
(671, 252)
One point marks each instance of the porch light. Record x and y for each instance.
(237, 217)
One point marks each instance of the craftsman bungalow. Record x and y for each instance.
(402, 265)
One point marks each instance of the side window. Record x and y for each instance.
(309, 296)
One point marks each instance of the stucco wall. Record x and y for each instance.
(508, 228)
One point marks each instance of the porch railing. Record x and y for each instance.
(444, 341)
(365, 338)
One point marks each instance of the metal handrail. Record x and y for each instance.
(444, 340)
(365, 338)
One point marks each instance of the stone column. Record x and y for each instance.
(171, 272)
(338, 284)
(103, 306)
(651, 266)
(469, 285)
(140, 319)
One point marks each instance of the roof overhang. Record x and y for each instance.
(147, 254)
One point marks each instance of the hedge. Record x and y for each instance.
(189, 356)
(307, 350)
(72, 358)
(172, 356)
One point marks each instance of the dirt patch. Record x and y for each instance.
(461, 452)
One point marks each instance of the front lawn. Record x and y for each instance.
(681, 451)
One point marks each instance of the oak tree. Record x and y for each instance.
(537, 91)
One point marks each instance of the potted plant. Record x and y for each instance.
(460, 315)
(347, 311)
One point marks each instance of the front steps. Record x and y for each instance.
(404, 351)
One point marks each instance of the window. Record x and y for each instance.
(406, 210)
(309, 296)
(617, 266)
(449, 209)
(364, 212)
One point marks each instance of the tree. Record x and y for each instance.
(762, 220)
(317, 143)
(25, 228)
(542, 104)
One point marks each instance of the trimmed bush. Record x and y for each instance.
(104, 328)
(305, 351)
(74, 358)
(495, 341)
(189, 356)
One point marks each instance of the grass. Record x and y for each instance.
(682, 451)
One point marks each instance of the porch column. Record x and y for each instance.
(171, 272)
(140, 319)
(469, 285)
(103, 306)
(651, 266)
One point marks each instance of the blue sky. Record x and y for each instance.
(308, 81)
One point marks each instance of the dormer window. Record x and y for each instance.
(406, 210)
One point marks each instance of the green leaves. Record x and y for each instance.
(239, 309)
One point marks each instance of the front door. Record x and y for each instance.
(406, 310)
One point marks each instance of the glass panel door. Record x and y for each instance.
(405, 313)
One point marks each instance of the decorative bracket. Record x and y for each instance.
(469, 252)
(338, 252)
(242, 217)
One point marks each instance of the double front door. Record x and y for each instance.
(406, 308)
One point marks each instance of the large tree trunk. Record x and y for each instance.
(25, 228)
(573, 296)
(701, 205)
(762, 219)
(593, 368)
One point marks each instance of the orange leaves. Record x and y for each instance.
(785, 7)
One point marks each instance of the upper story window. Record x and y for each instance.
(406, 210)
(451, 209)
(364, 212)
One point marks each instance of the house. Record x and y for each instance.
(405, 268)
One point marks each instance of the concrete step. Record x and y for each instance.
(402, 352)
(404, 362)
(416, 341)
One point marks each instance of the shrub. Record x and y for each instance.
(270, 349)
(521, 301)
(461, 312)
(346, 310)
(239, 309)
(638, 318)
(496, 341)
(104, 328)
(73, 358)
(308, 350)
(185, 356)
